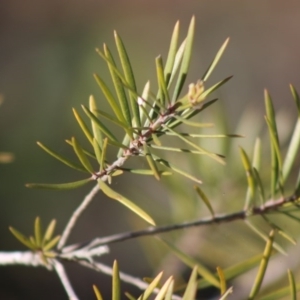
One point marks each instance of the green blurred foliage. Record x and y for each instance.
(47, 61)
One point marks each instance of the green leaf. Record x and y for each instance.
(49, 231)
(212, 155)
(265, 237)
(191, 288)
(62, 159)
(155, 139)
(101, 126)
(97, 150)
(118, 87)
(172, 53)
(175, 149)
(142, 101)
(149, 290)
(292, 285)
(97, 134)
(161, 294)
(129, 296)
(215, 61)
(175, 169)
(273, 140)
(260, 186)
(103, 155)
(256, 161)
(22, 238)
(207, 135)
(263, 266)
(205, 200)
(151, 162)
(235, 270)
(81, 156)
(88, 153)
(110, 98)
(97, 293)
(280, 293)
(129, 78)
(176, 65)
(194, 124)
(185, 60)
(214, 87)
(38, 232)
(83, 126)
(191, 262)
(169, 293)
(59, 186)
(292, 152)
(296, 98)
(116, 284)
(162, 84)
(51, 243)
(116, 196)
(249, 174)
(112, 119)
(145, 171)
(223, 285)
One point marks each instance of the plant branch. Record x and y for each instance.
(76, 214)
(27, 258)
(269, 206)
(60, 270)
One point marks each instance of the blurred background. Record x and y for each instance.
(47, 59)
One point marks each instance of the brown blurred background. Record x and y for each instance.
(47, 59)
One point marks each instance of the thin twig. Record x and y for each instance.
(76, 214)
(270, 206)
(27, 258)
(137, 282)
(60, 270)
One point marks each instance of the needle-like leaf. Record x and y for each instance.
(175, 169)
(64, 160)
(185, 60)
(38, 232)
(191, 288)
(154, 283)
(162, 84)
(212, 155)
(151, 162)
(205, 200)
(116, 284)
(262, 268)
(129, 78)
(161, 294)
(101, 126)
(82, 156)
(215, 61)
(59, 186)
(123, 200)
(22, 238)
(97, 293)
(191, 262)
(51, 243)
(273, 140)
(110, 98)
(172, 53)
(97, 134)
(223, 285)
(118, 87)
(250, 176)
(83, 126)
(49, 231)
